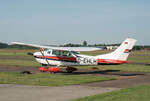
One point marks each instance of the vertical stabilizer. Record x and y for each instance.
(121, 53)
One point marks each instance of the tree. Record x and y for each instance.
(3, 45)
(84, 43)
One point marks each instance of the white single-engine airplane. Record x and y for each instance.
(69, 56)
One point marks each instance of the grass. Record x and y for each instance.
(19, 63)
(48, 79)
(12, 54)
(20, 58)
(15, 52)
(139, 59)
(123, 67)
(139, 93)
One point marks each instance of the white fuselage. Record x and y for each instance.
(77, 59)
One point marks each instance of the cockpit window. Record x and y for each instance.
(56, 52)
(61, 53)
(66, 53)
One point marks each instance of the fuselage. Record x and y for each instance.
(69, 58)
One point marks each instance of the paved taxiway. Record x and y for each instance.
(9, 92)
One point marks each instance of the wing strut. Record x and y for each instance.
(41, 50)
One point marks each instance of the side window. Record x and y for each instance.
(64, 53)
(69, 54)
(61, 53)
(49, 52)
(56, 52)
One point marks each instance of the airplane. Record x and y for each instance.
(70, 56)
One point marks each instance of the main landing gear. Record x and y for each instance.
(71, 69)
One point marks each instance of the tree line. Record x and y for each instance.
(84, 44)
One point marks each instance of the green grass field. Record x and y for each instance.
(48, 79)
(139, 93)
(19, 63)
(20, 58)
(123, 67)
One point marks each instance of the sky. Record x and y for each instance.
(73, 21)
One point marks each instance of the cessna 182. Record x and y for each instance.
(70, 56)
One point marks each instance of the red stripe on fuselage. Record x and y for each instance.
(59, 58)
(111, 61)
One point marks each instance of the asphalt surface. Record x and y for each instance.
(124, 82)
(44, 93)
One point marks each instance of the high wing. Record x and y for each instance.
(78, 49)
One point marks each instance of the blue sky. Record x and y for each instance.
(72, 21)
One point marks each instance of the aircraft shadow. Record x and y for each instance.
(148, 64)
(103, 72)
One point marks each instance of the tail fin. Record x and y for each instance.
(122, 52)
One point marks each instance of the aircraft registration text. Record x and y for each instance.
(87, 61)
